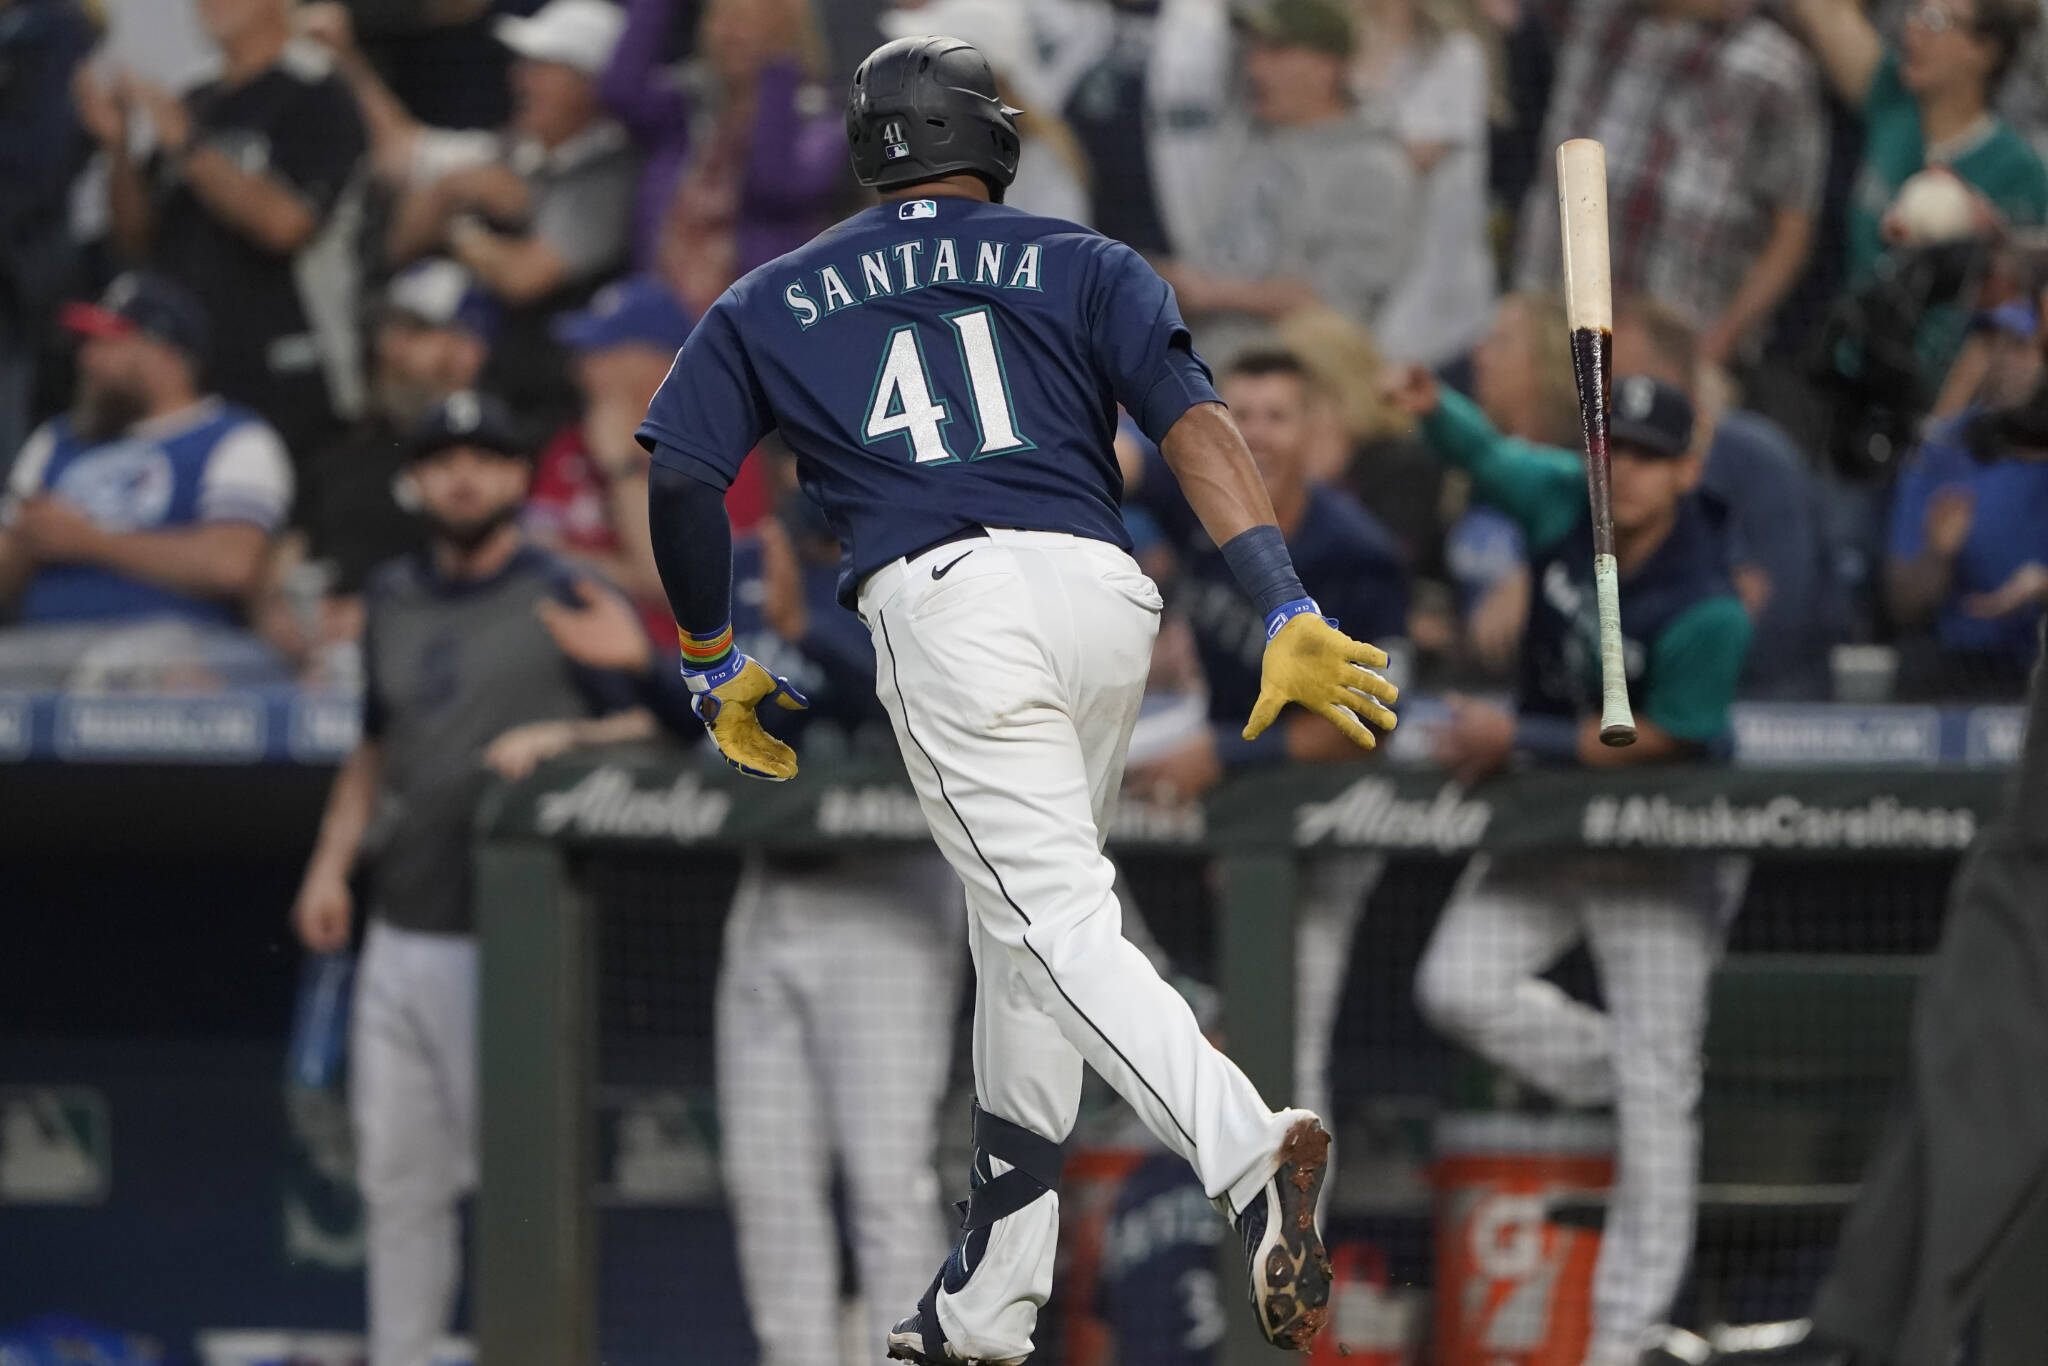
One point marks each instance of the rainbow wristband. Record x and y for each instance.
(706, 656)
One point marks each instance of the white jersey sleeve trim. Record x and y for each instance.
(248, 479)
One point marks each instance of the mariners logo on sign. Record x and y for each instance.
(895, 146)
(53, 1146)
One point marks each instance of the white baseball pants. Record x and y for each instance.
(1655, 928)
(834, 1038)
(412, 1095)
(1013, 684)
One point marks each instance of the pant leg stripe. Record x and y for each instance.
(896, 679)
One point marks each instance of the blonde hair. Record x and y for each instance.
(1344, 362)
(1548, 335)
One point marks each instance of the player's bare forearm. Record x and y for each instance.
(1214, 468)
(1654, 745)
(349, 804)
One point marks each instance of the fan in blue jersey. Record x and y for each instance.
(947, 371)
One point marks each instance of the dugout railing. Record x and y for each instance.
(1782, 1085)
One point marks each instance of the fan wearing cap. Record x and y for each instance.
(589, 499)
(240, 203)
(150, 499)
(745, 153)
(1321, 204)
(432, 336)
(541, 210)
(1654, 923)
(462, 678)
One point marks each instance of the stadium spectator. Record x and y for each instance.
(1780, 561)
(41, 146)
(1145, 85)
(1353, 569)
(837, 991)
(1928, 104)
(745, 150)
(540, 210)
(1427, 62)
(589, 498)
(135, 525)
(1318, 204)
(1966, 555)
(1654, 924)
(463, 680)
(432, 336)
(1052, 172)
(1716, 149)
(438, 56)
(1522, 381)
(244, 200)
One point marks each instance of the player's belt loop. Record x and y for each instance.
(973, 533)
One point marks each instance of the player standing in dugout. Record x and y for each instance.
(947, 371)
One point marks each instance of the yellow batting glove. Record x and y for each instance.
(1311, 662)
(725, 698)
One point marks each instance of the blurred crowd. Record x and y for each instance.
(249, 244)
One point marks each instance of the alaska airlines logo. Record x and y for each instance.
(1373, 814)
(609, 802)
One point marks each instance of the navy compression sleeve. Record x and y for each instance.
(693, 551)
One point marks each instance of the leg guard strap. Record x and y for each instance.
(1035, 1164)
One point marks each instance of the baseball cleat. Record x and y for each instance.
(1290, 1272)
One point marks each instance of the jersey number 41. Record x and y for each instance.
(903, 403)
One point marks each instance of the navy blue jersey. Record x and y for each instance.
(936, 364)
(1158, 1290)
(1347, 561)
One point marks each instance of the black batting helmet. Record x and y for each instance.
(927, 107)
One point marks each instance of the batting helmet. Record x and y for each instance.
(927, 107)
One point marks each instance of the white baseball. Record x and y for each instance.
(1933, 206)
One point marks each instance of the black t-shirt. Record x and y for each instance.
(298, 124)
(348, 509)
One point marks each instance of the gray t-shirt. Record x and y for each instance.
(582, 190)
(450, 667)
(1332, 202)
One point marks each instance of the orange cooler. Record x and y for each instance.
(1513, 1289)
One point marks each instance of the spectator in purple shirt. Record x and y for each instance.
(745, 149)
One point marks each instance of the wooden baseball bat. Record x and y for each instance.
(1589, 304)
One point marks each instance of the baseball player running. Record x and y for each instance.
(947, 371)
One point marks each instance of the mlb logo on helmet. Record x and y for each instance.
(894, 145)
(918, 208)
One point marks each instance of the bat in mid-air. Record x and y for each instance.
(1589, 304)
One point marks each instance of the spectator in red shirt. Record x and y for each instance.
(589, 498)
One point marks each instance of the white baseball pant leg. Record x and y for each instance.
(834, 1035)
(1655, 930)
(1013, 685)
(412, 1094)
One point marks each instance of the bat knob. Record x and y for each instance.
(1617, 737)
